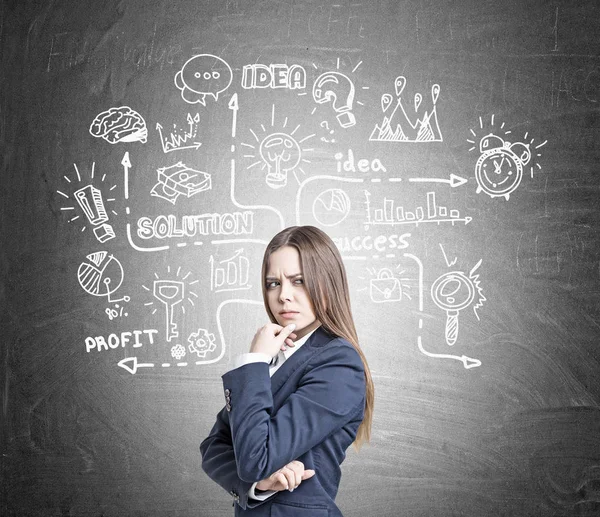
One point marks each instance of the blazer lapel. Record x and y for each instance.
(318, 338)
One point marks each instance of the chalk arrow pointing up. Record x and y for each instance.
(234, 106)
(126, 163)
(454, 181)
(131, 365)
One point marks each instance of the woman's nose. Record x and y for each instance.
(286, 292)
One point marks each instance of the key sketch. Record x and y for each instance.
(201, 76)
(121, 124)
(171, 292)
(399, 126)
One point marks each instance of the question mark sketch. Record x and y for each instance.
(325, 125)
(336, 88)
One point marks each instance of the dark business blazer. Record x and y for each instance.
(309, 410)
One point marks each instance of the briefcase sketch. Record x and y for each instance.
(386, 287)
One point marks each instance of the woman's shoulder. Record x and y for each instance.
(337, 348)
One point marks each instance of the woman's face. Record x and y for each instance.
(287, 296)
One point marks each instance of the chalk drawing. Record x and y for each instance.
(231, 274)
(101, 274)
(500, 166)
(179, 179)
(201, 342)
(121, 124)
(398, 126)
(201, 76)
(116, 312)
(363, 165)
(92, 204)
(178, 352)
(183, 138)
(454, 180)
(273, 76)
(331, 207)
(280, 153)
(171, 292)
(386, 287)
(338, 89)
(325, 125)
(387, 215)
(453, 292)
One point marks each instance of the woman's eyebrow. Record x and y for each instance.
(287, 276)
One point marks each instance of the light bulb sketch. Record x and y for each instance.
(280, 153)
(454, 291)
(90, 201)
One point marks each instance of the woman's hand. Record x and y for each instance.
(271, 338)
(286, 478)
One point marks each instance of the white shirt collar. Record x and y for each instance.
(298, 343)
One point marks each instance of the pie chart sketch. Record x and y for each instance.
(331, 207)
(101, 274)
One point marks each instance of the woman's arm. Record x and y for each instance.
(330, 394)
(218, 461)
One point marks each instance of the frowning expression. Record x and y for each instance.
(287, 295)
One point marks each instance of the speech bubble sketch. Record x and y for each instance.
(184, 138)
(92, 204)
(201, 76)
(398, 126)
(101, 274)
(501, 163)
(390, 215)
(121, 124)
(171, 292)
(453, 292)
(179, 179)
(338, 89)
(331, 207)
(280, 153)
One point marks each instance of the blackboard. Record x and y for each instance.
(150, 150)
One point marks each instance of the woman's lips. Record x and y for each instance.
(288, 314)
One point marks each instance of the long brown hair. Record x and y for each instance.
(325, 279)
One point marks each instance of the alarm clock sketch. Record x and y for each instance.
(499, 169)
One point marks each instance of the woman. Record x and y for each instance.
(301, 396)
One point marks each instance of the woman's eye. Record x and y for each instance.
(299, 281)
(271, 285)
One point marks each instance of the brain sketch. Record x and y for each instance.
(120, 125)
